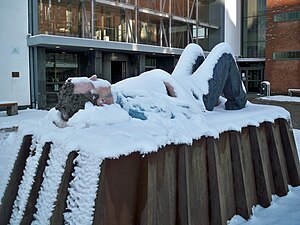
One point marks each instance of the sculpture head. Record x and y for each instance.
(77, 91)
(69, 103)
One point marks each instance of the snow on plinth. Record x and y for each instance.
(108, 132)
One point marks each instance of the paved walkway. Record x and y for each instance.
(292, 107)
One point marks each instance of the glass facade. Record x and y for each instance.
(254, 28)
(167, 23)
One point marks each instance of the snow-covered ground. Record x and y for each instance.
(281, 98)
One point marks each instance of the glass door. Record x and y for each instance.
(118, 71)
(252, 79)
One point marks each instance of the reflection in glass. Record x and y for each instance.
(109, 23)
(203, 11)
(58, 67)
(154, 22)
(203, 34)
(179, 34)
(148, 29)
(255, 7)
(59, 17)
(254, 28)
(151, 4)
(185, 8)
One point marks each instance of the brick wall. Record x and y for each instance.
(282, 37)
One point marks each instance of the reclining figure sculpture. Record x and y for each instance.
(194, 79)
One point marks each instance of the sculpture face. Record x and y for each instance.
(73, 96)
(70, 103)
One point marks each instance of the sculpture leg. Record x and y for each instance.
(233, 89)
(226, 79)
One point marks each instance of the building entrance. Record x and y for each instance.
(252, 79)
(252, 75)
(118, 71)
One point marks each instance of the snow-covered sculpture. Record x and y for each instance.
(194, 87)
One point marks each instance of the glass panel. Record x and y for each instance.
(185, 8)
(148, 29)
(150, 63)
(261, 47)
(254, 75)
(180, 8)
(253, 86)
(191, 9)
(251, 49)
(251, 7)
(203, 11)
(261, 7)
(254, 7)
(251, 26)
(59, 17)
(203, 38)
(59, 66)
(164, 6)
(150, 4)
(153, 30)
(254, 28)
(261, 28)
(202, 32)
(254, 49)
(288, 16)
(254, 80)
(85, 19)
(179, 33)
(110, 23)
(164, 32)
(286, 55)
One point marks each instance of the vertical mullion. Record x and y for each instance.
(82, 20)
(126, 25)
(197, 22)
(136, 21)
(170, 23)
(92, 19)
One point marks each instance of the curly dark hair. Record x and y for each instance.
(69, 103)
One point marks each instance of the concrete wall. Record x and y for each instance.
(14, 54)
(232, 23)
(282, 37)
